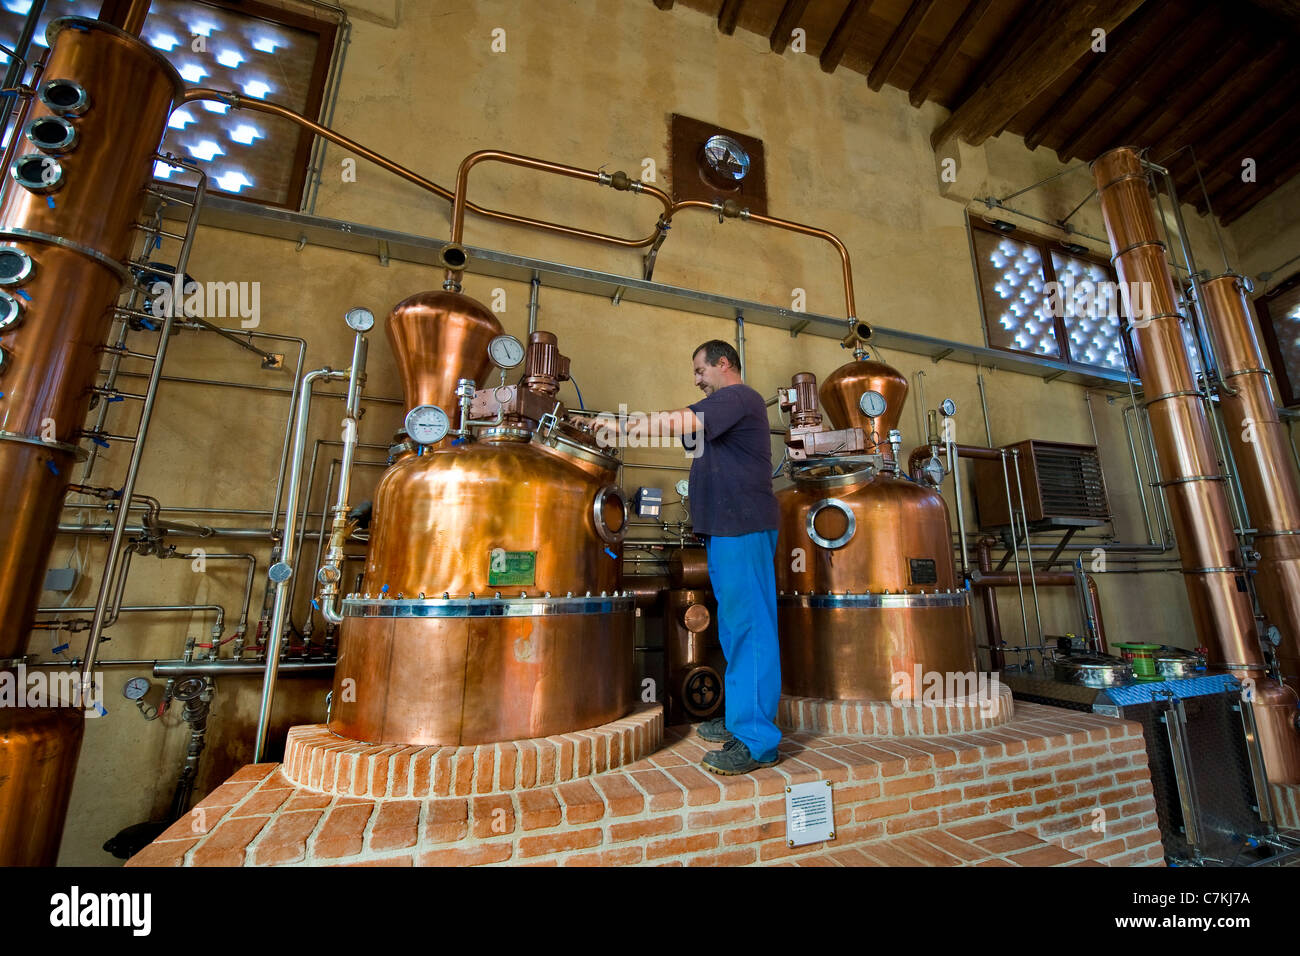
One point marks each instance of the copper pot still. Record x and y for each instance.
(867, 591)
(74, 189)
(490, 609)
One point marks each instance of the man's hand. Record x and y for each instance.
(604, 428)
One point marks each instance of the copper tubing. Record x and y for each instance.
(1260, 446)
(731, 210)
(619, 181)
(135, 17)
(921, 454)
(239, 101)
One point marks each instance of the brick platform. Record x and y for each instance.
(867, 718)
(1026, 793)
(316, 759)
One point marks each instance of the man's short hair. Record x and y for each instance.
(715, 349)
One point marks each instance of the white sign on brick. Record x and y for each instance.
(809, 813)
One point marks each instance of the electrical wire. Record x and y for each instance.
(582, 406)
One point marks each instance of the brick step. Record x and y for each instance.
(1050, 779)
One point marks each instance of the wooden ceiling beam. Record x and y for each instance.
(1272, 139)
(1243, 89)
(1231, 205)
(1225, 140)
(1095, 122)
(1129, 32)
(786, 21)
(1059, 29)
(837, 44)
(1236, 58)
(943, 56)
(897, 43)
(729, 15)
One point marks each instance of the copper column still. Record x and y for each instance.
(490, 607)
(864, 567)
(1194, 487)
(1261, 449)
(76, 187)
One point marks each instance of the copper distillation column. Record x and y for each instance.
(75, 188)
(1261, 450)
(1212, 563)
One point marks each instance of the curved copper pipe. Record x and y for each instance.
(731, 210)
(239, 101)
(461, 201)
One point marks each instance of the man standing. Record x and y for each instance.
(734, 510)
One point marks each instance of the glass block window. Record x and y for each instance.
(1279, 320)
(261, 51)
(1014, 282)
(1091, 310)
(1043, 300)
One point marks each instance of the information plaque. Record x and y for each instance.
(809, 813)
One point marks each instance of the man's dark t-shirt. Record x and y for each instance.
(731, 480)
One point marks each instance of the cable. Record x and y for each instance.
(582, 406)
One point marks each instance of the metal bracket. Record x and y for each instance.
(941, 355)
(273, 360)
(383, 252)
(797, 328)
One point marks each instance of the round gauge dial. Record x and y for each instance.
(427, 424)
(506, 351)
(360, 320)
(136, 688)
(683, 488)
(949, 408)
(873, 404)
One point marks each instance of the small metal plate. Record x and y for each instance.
(510, 568)
(809, 813)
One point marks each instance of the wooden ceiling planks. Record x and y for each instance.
(1215, 75)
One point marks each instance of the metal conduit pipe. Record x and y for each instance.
(331, 572)
(143, 609)
(142, 432)
(280, 572)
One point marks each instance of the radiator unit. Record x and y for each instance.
(1062, 485)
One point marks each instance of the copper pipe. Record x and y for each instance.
(618, 181)
(135, 17)
(732, 210)
(1057, 579)
(1222, 610)
(1093, 601)
(238, 101)
(1261, 449)
(989, 598)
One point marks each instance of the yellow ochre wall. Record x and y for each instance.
(591, 84)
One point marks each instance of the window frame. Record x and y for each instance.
(1046, 246)
(1288, 391)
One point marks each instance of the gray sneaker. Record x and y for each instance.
(735, 758)
(714, 731)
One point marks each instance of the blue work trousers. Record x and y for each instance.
(743, 576)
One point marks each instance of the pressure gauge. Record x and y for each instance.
(427, 424)
(873, 404)
(949, 408)
(360, 320)
(136, 688)
(506, 351)
(683, 488)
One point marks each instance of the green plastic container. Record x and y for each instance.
(1143, 659)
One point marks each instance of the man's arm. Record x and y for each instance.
(671, 424)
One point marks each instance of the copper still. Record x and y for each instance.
(866, 585)
(490, 607)
(1261, 448)
(1213, 567)
(75, 188)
